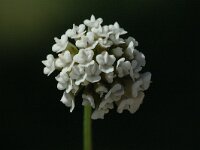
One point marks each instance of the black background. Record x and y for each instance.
(31, 116)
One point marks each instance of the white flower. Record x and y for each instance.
(64, 82)
(84, 57)
(87, 41)
(136, 87)
(131, 39)
(137, 64)
(141, 84)
(129, 51)
(101, 89)
(78, 74)
(113, 95)
(140, 58)
(76, 31)
(88, 100)
(117, 52)
(123, 67)
(68, 100)
(68, 67)
(93, 22)
(134, 75)
(50, 64)
(146, 78)
(105, 42)
(64, 60)
(115, 40)
(131, 104)
(109, 77)
(117, 30)
(102, 31)
(93, 73)
(61, 44)
(100, 112)
(105, 62)
(75, 88)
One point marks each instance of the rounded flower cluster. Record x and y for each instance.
(96, 62)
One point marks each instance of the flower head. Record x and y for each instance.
(94, 61)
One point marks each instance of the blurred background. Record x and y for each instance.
(33, 118)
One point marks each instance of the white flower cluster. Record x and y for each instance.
(93, 59)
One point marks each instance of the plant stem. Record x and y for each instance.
(87, 128)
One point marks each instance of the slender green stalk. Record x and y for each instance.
(87, 128)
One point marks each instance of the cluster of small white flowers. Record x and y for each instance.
(103, 66)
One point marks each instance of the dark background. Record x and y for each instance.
(31, 116)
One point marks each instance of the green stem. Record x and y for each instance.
(87, 130)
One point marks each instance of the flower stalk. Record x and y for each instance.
(87, 128)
